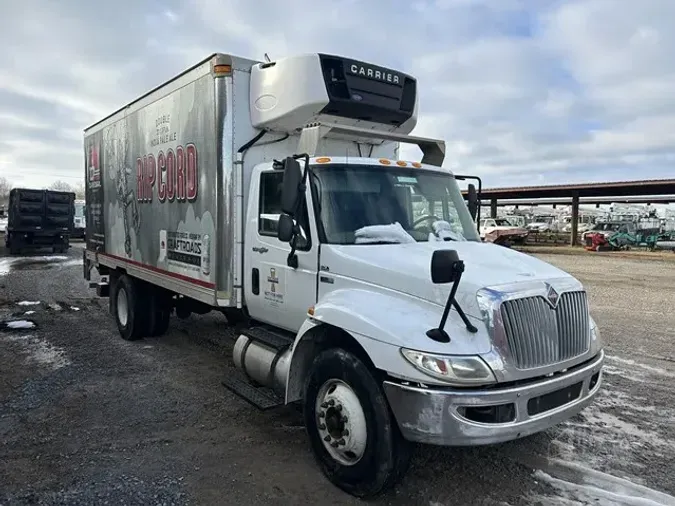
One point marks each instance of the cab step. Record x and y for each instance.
(260, 397)
(276, 339)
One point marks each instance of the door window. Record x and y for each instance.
(271, 184)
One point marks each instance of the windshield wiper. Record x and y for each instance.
(379, 241)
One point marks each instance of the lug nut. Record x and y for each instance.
(324, 405)
(339, 407)
(341, 442)
(331, 402)
(345, 419)
(327, 438)
(334, 444)
(322, 426)
(322, 414)
(345, 432)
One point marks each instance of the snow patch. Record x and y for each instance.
(73, 308)
(597, 488)
(71, 262)
(617, 426)
(28, 303)
(20, 324)
(40, 351)
(644, 367)
(383, 233)
(29, 312)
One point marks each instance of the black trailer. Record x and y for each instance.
(39, 219)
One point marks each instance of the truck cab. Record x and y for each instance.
(364, 267)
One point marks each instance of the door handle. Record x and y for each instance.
(255, 281)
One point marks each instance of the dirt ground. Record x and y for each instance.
(87, 418)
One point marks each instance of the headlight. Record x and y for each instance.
(458, 370)
(596, 343)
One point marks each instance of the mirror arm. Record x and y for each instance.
(292, 259)
(439, 334)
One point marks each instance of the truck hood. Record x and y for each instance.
(406, 268)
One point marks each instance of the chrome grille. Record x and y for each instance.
(539, 335)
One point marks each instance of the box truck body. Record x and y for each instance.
(165, 192)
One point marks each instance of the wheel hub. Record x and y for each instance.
(122, 307)
(341, 422)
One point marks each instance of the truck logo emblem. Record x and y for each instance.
(552, 296)
(260, 249)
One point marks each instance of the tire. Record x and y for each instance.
(340, 377)
(159, 314)
(129, 308)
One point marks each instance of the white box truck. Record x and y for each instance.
(273, 192)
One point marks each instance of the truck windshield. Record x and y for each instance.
(374, 204)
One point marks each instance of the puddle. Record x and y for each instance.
(10, 264)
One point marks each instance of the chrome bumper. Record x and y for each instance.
(438, 416)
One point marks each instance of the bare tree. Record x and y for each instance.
(79, 190)
(61, 186)
(5, 187)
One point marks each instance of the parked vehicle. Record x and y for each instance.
(80, 219)
(501, 231)
(272, 192)
(39, 219)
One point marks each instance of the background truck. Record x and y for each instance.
(39, 219)
(80, 219)
(273, 192)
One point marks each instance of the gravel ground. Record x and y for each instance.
(87, 418)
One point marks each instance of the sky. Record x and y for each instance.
(523, 92)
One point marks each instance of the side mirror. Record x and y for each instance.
(285, 228)
(446, 267)
(472, 201)
(290, 192)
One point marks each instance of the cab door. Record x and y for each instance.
(276, 293)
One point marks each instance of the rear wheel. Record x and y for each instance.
(353, 434)
(129, 308)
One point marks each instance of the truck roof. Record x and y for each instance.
(222, 58)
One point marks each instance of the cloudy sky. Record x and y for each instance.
(523, 91)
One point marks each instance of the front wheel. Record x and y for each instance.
(353, 434)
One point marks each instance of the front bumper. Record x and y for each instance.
(440, 416)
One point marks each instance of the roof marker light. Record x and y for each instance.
(384, 161)
(323, 159)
